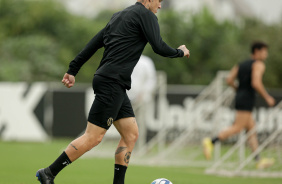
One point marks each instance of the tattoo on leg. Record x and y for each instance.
(74, 147)
(120, 149)
(127, 157)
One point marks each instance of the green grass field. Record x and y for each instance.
(20, 161)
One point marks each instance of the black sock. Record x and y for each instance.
(214, 140)
(119, 176)
(61, 162)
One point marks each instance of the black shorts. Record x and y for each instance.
(111, 102)
(244, 101)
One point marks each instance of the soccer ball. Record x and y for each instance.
(161, 181)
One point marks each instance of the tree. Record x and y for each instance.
(38, 39)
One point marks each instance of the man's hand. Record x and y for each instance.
(270, 101)
(68, 80)
(185, 50)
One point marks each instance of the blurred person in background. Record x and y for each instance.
(141, 94)
(124, 39)
(249, 74)
(143, 81)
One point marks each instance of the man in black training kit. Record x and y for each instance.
(124, 39)
(249, 74)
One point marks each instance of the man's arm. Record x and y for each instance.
(257, 74)
(230, 80)
(93, 45)
(151, 30)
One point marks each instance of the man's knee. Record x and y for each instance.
(237, 130)
(135, 136)
(135, 133)
(131, 137)
(128, 130)
(93, 140)
(93, 135)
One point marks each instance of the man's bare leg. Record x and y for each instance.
(262, 163)
(92, 137)
(241, 121)
(253, 141)
(128, 129)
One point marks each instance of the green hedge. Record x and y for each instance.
(39, 38)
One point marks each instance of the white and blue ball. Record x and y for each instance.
(161, 181)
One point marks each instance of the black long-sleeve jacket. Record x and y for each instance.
(124, 39)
